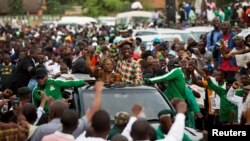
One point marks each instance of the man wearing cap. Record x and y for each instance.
(121, 120)
(156, 43)
(166, 120)
(51, 87)
(238, 93)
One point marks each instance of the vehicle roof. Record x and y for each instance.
(162, 30)
(169, 30)
(200, 29)
(83, 76)
(148, 38)
(105, 18)
(81, 20)
(134, 14)
(144, 87)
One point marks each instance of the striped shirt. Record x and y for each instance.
(130, 71)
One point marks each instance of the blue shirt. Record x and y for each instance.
(212, 38)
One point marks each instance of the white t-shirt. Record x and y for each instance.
(241, 59)
(83, 138)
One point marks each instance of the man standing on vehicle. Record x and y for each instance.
(177, 88)
(127, 67)
(51, 87)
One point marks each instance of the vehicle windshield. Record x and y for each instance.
(139, 20)
(116, 100)
(197, 35)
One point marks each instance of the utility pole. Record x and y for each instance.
(171, 11)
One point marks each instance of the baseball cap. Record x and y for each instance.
(157, 40)
(209, 68)
(41, 72)
(166, 112)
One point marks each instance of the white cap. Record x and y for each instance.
(94, 39)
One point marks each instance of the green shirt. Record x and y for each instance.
(176, 85)
(176, 88)
(53, 89)
(160, 135)
(226, 107)
(114, 131)
(228, 13)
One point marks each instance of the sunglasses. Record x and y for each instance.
(40, 77)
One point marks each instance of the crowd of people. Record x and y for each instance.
(207, 82)
(190, 14)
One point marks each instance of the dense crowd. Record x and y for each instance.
(190, 14)
(207, 81)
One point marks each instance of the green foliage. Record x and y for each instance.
(54, 7)
(96, 8)
(15, 7)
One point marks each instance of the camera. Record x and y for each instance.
(15, 101)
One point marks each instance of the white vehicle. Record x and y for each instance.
(164, 31)
(148, 40)
(110, 21)
(199, 30)
(133, 17)
(76, 20)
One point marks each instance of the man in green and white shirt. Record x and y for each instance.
(51, 87)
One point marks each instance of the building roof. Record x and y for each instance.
(31, 6)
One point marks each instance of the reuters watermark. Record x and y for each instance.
(229, 131)
(216, 132)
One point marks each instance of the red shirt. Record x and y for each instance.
(225, 63)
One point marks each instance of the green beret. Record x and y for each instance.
(166, 112)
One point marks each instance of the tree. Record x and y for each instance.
(15, 7)
(95, 8)
(54, 7)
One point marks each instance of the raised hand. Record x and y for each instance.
(136, 110)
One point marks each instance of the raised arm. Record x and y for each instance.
(176, 131)
(136, 110)
(90, 67)
(173, 74)
(241, 51)
(217, 89)
(232, 97)
(194, 78)
(96, 104)
(70, 83)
